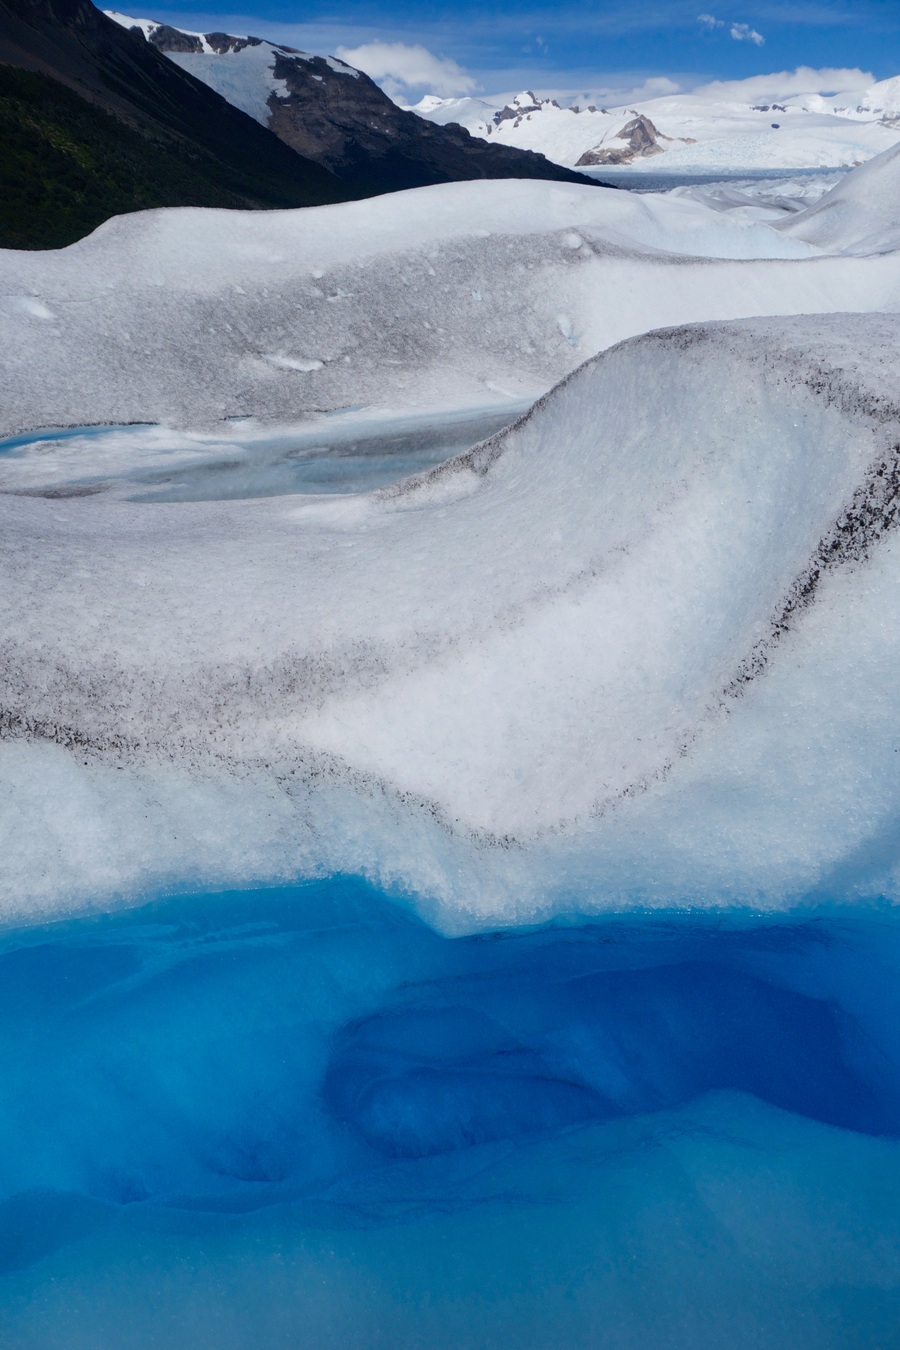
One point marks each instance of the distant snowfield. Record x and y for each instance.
(630, 651)
(704, 131)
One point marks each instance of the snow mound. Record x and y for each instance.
(631, 650)
(882, 98)
(859, 215)
(433, 298)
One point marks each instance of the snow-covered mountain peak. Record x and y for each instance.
(527, 102)
(184, 40)
(883, 99)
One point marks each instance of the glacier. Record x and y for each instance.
(449, 850)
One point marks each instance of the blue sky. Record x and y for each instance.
(500, 45)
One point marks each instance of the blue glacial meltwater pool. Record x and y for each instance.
(356, 450)
(304, 1117)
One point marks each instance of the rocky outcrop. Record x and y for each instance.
(167, 39)
(521, 106)
(641, 140)
(224, 42)
(172, 39)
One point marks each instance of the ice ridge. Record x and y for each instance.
(540, 714)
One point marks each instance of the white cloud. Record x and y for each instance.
(784, 84)
(606, 94)
(742, 32)
(657, 86)
(400, 68)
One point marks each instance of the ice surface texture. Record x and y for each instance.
(633, 649)
(305, 1109)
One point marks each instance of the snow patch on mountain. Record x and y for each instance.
(246, 78)
(150, 27)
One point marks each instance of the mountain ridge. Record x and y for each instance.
(338, 117)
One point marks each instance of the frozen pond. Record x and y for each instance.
(355, 450)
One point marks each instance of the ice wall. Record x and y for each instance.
(632, 650)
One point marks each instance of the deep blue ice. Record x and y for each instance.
(608, 1124)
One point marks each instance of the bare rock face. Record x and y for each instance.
(224, 42)
(521, 106)
(641, 141)
(172, 39)
(342, 120)
(168, 39)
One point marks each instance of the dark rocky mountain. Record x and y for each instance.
(95, 121)
(339, 118)
(356, 131)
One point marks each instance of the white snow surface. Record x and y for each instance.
(635, 649)
(859, 215)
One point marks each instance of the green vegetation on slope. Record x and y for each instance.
(66, 166)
